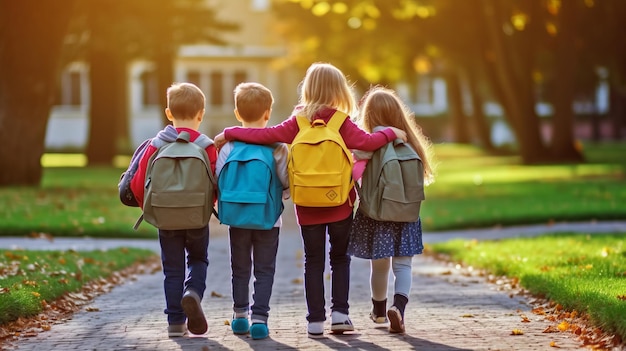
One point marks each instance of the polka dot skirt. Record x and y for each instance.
(372, 239)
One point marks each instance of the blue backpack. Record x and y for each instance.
(249, 192)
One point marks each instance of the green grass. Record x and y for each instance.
(584, 273)
(30, 279)
(473, 189)
(71, 202)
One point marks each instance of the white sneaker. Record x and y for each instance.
(316, 329)
(340, 323)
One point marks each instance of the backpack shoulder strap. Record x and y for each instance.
(303, 122)
(336, 120)
(203, 141)
(183, 136)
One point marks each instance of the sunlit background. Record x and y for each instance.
(534, 78)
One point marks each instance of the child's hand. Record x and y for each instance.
(219, 140)
(400, 134)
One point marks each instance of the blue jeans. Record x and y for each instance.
(261, 246)
(314, 240)
(174, 245)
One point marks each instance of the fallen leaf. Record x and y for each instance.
(517, 332)
(550, 329)
(553, 344)
(216, 294)
(525, 319)
(563, 326)
(538, 311)
(92, 309)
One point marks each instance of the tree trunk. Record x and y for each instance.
(165, 77)
(455, 109)
(481, 124)
(513, 78)
(563, 147)
(31, 38)
(106, 76)
(617, 111)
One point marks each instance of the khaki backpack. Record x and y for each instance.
(179, 186)
(392, 187)
(320, 164)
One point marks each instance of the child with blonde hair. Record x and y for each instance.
(324, 90)
(388, 244)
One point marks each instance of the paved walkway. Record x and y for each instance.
(447, 310)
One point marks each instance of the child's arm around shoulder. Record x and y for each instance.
(281, 133)
(356, 138)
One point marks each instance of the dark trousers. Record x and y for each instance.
(253, 251)
(183, 273)
(314, 241)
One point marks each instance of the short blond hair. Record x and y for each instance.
(185, 100)
(252, 100)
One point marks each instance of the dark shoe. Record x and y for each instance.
(196, 323)
(396, 323)
(378, 311)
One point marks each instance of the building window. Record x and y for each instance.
(149, 85)
(239, 77)
(425, 90)
(68, 92)
(216, 97)
(194, 77)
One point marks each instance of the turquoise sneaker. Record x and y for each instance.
(240, 325)
(259, 331)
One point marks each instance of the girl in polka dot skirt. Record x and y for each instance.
(388, 244)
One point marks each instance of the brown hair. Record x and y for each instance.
(185, 100)
(252, 100)
(324, 85)
(382, 107)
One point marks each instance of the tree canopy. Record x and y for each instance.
(522, 52)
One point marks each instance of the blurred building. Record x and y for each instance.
(253, 54)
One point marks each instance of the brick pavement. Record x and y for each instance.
(447, 311)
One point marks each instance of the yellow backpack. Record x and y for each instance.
(320, 164)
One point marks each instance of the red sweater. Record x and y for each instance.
(353, 136)
(138, 181)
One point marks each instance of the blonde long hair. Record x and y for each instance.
(382, 107)
(324, 85)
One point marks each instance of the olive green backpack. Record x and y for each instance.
(392, 186)
(179, 185)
